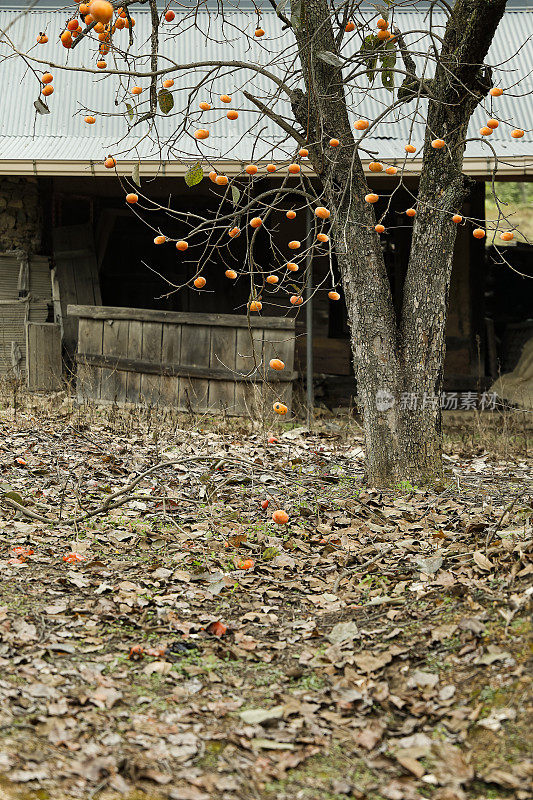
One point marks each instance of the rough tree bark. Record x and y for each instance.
(393, 356)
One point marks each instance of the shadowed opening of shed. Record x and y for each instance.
(192, 362)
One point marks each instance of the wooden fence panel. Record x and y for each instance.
(202, 362)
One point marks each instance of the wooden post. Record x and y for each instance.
(43, 356)
(309, 328)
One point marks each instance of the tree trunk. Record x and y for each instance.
(398, 363)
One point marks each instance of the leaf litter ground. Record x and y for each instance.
(377, 648)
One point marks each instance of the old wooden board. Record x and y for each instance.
(90, 340)
(115, 342)
(222, 356)
(195, 344)
(170, 355)
(43, 356)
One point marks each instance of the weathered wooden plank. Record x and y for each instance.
(151, 352)
(179, 317)
(222, 357)
(170, 359)
(43, 356)
(173, 370)
(90, 340)
(115, 343)
(134, 351)
(195, 346)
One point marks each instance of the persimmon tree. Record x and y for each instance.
(310, 64)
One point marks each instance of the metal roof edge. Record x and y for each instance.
(514, 166)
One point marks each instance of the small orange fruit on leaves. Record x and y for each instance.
(280, 408)
(182, 245)
(136, 652)
(217, 628)
(276, 363)
(247, 563)
(478, 233)
(132, 198)
(101, 10)
(271, 440)
(334, 295)
(200, 282)
(280, 517)
(264, 503)
(72, 558)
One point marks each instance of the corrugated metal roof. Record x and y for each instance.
(64, 136)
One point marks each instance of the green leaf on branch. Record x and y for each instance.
(369, 55)
(40, 107)
(194, 174)
(235, 195)
(136, 174)
(330, 58)
(165, 100)
(131, 112)
(388, 62)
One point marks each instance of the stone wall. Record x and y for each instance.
(20, 214)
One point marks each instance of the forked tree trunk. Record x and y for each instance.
(398, 363)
